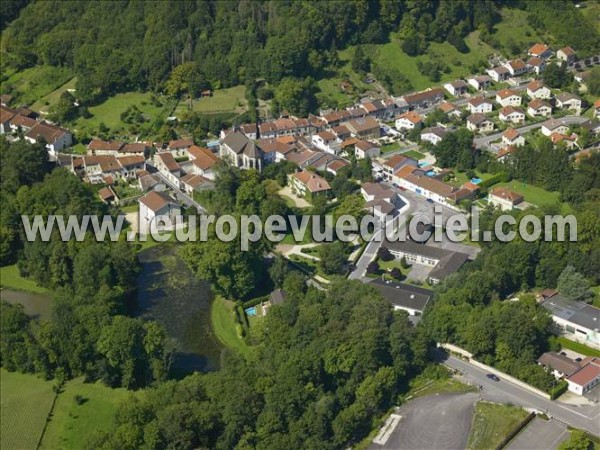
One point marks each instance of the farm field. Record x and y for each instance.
(72, 424)
(26, 401)
(492, 423)
(231, 100)
(30, 85)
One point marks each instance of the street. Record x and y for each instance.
(583, 417)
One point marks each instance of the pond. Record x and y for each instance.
(169, 293)
(38, 306)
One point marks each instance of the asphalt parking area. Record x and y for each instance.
(440, 422)
(540, 433)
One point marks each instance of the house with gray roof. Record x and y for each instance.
(240, 151)
(576, 320)
(405, 297)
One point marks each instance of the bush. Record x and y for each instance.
(558, 390)
(404, 263)
(373, 267)
(501, 177)
(384, 254)
(396, 273)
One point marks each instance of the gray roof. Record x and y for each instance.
(448, 265)
(410, 246)
(558, 362)
(239, 143)
(403, 295)
(578, 313)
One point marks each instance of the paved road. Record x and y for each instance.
(434, 422)
(582, 417)
(485, 141)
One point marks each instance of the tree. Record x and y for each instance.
(593, 83)
(578, 440)
(64, 110)
(571, 283)
(332, 257)
(298, 97)
(360, 62)
(384, 254)
(373, 267)
(557, 76)
(396, 273)
(185, 78)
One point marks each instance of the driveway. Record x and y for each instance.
(300, 202)
(440, 422)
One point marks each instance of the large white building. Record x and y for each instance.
(155, 206)
(575, 320)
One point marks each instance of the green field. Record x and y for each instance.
(577, 347)
(31, 84)
(26, 401)
(514, 31)
(414, 155)
(492, 423)
(11, 279)
(72, 424)
(591, 10)
(223, 100)
(596, 301)
(532, 194)
(223, 324)
(440, 386)
(461, 177)
(109, 112)
(44, 103)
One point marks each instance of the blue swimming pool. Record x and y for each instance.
(475, 180)
(430, 173)
(251, 311)
(423, 164)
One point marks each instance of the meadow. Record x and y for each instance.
(223, 100)
(30, 85)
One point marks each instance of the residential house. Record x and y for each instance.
(457, 88)
(539, 108)
(341, 133)
(20, 123)
(537, 89)
(504, 198)
(586, 378)
(95, 169)
(424, 99)
(566, 54)
(576, 320)
(148, 182)
(327, 141)
(479, 105)
(168, 167)
(154, 207)
(593, 126)
(108, 196)
(405, 297)
(512, 137)
(505, 152)
(395, 163)
(239, 151)
(408, 121)
(499, 74)
(249, 129)
(362, 149)
(566, 100)
(540, 51)
(99, 147)
(559, 365)
(536, 65)
(192, 182)
(554, 126)
(569, 141)
(382, 201)
(479, 123)
(364, 128)
(334, 118)
(433, 134)
(308, 184)
(276, 149)
(507, 97)
(179, 147)
(335, 166)
(131, 165)
(480, 82)
(516, 67)
(55, 138)
(511, 114)
(202, 161)
(449, 109)
(6, 115)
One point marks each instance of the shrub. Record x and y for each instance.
(384, 254)
(396, 273)
(558, 390)
(373, 267)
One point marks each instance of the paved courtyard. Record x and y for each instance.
(540, 433)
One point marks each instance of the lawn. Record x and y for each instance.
(109, 112)
(414, 155)
(43, 104)
(461, 177)
(11, 279)
(71, 424)
(492, 423)
(224, 326)
(596, 301)
(36, 82)
(223, 100)
(26, 401)
(440, 386)
(577, 347)
(591, 10)
(532, 194)
(390, 147)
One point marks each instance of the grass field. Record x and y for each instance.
(36, 82)
(223, 100)
(441, 386)
(25, 402)
(461, 177)
(514, 30)
(591, 10)
(414, 155)
(71, 424)
(109, 112)
(492, 423)
(44, 103)
(577, 347)
(223, 324)
(11, 279)
(532, 194)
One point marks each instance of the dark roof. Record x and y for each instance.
(410, 246)
(448, 265)
(278, 296)
(576, 312)
(239, 143)
(403, 295)
(558, 362)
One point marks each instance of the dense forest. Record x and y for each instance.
(92, 282)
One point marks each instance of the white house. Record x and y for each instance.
(202, 161)
(566, 100)
(554, 126)
(479, 123)
(585, 378)
(499, 74)
(155, 206)
(179, 147)
(540, 51)
(567, 55)
(511, 114)
(168, 167)
(56, 138)
(408, 121)
(479, 105)
(327, 141)
(504, 199)
(480, 82)
(457, 88)
(516, 67)
(512, 137)
(539, 108)
(362, 149)
(433, 134)
(537, 89)
(506, 97)
(536, 65)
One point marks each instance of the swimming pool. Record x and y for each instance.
(430, 173)
(423, 164)
(251, 311)
(475, 180)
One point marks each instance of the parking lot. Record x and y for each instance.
(540, 433)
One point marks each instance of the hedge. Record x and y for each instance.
(558, 390)
(501, 177)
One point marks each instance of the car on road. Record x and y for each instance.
(396, 185)
(492, 377)
(429, 200)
